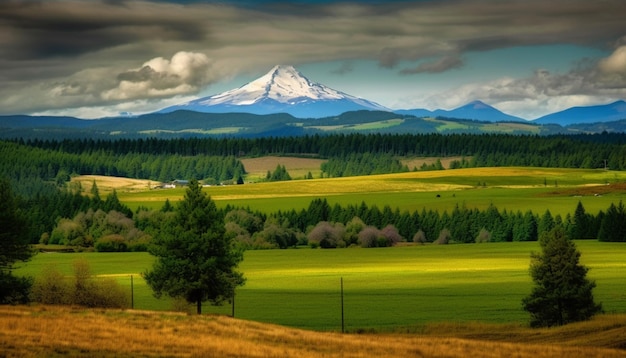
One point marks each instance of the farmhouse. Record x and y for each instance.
(176, 184)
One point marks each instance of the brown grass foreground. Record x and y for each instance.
(62, 331)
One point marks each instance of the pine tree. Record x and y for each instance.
(613, 226)
(580, 224)
(562, 293)
(195, 259)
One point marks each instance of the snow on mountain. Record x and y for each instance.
(282, 90)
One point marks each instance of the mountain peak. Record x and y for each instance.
(587, 114)
(285, 84)
(282, 89)
(477, 104)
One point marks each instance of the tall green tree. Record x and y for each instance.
(195, 260)
(562, 292)
(613, 226)
(580, 228)
(14, 247)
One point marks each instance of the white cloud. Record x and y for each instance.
(185, 73)
(543, 92)
(84, 54)
(615, 63)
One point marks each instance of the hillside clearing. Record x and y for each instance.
(107, 184)
(54, 331)
(257, 168)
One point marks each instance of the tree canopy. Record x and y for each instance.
(562, 293)
(195, 259)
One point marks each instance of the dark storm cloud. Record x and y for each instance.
(441, 65)
(66, 29)
(70, 53)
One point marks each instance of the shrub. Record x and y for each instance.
(368, 237)
(111, 243)
(483, 236)
(275, 234)
(327, 235)
(353, 228)
(444, 237)
(53, 288)
(390, 236)
(419, 237)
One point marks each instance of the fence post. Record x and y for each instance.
(342, 318)
(132, 293)
(233, 305)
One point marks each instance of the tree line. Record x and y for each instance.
(23, 162)
(579, 151)
(325, 226)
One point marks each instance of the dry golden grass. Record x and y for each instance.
(296, 167)
(417, 162)
(107, 184)
(607, 331)
(53, 331)
(590, 190)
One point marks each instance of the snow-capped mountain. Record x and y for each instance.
(282, 90)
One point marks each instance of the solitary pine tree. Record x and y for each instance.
(195, 260)
(562, 293)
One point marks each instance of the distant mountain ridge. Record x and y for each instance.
(591, 114)
(282, 90)
(475, 110)
(284, 102)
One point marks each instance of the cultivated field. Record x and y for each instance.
(508, 188)
(298, 168)
(44, 331)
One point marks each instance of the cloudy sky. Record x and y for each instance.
(100, 58)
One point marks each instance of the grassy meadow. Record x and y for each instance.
(508, 188)
(384, 288)
(413, 300)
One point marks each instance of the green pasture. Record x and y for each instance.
(511, 189)
(361, 127)
(383, 288)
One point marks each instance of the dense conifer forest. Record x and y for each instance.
(570, 151)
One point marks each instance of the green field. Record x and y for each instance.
(510, 188)
(383, 288)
